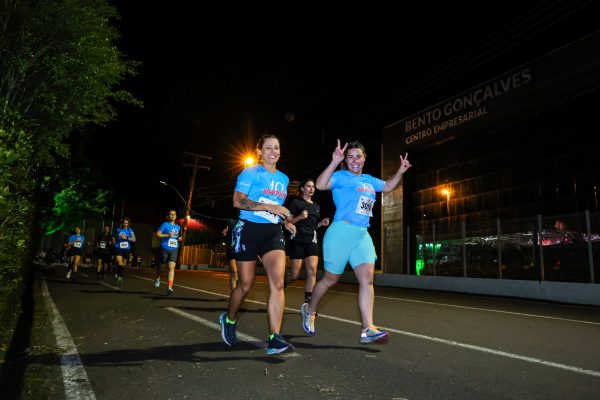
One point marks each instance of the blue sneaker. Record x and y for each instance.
(227, 330)
(374, 335)
(278, 345)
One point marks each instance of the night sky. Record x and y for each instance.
(214, 77)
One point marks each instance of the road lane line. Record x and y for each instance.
(490, 310)
(467, 307)
(473, 308)
(476, 348)
(422, 302)
(111, 286)
(434, 339)
(241, 336)
(75, 379)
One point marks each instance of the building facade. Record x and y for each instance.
(522, 145)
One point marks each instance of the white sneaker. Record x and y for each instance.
(69, 274)
(156, 282)
(308, 319)
(374, 335)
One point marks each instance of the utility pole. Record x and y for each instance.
(188, 206)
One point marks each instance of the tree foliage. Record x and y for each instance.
(73, 204)
(59, 68)
(16, 213)
(60, 71)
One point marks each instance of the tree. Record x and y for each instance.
(74, 203)
(59, 68)
(59, 72)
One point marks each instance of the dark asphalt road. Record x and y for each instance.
(136, 343)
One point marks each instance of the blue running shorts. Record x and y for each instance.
(345, 243)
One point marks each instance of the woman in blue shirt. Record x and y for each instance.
(259, 194)
(354, 195)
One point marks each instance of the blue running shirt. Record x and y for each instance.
(354, 196)
(77, 245)
(169, 243)
(121, 243)
(262, 186)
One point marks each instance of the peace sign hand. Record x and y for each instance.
(338, 153)
(404, 163)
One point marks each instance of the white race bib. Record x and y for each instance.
(365, 206)
(265, 214)
(77, 244)
(102, 245)
(172, 243)
(124, 245)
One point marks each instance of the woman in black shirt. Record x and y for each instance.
(304, 245)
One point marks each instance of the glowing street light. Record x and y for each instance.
(446, 193)
(249, 161)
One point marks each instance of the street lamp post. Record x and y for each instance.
(188, 204)
(175, 189)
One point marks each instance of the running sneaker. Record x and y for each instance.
(119, 280)
(170, 291)
(308, 319)
(374, 335)
(156, 282)
(278, 345)
(227, 330)
(69, 274)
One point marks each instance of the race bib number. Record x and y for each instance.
(124, 245)
(77, 244)
(102, 245)
(365, 206)
(265, 214)
(172, 243)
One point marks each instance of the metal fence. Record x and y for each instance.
(563, 248)
(204, 255)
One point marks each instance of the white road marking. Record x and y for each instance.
(432, 339)
(490, 310)
(75, 379)
(476, 348)
(111, 286)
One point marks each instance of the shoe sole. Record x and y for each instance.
(223, 322)
(303, 312)
(383, 339)
(271, 352)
